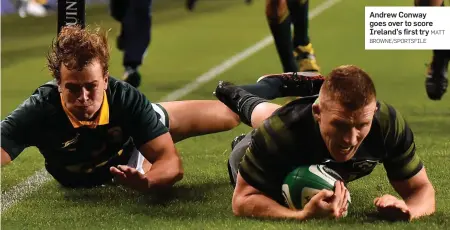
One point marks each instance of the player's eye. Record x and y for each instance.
(73, 88)
(341, 125)
(362, 125)
(91, 87)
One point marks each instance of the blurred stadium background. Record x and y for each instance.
(186, 45)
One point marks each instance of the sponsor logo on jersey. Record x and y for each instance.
(365, 165)
(67, 144)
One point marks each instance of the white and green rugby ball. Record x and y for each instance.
(306, 181)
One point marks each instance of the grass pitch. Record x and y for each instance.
(185, 45)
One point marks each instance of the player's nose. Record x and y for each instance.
(351, 137)
(83, 96)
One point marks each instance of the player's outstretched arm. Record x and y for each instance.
(5, 157)
(250, 202)
(418, 199)
(405, 171)
(19, 127)
(166, 168)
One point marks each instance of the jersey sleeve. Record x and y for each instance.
(265, 163)
(401, 162)
(17, 127)
(141, 118)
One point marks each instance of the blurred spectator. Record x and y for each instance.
(32, 7)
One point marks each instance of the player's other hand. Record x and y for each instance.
(327, 203)
(392, 208)
(130, 177)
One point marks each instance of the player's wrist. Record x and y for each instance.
(149, 186)
(301, 215)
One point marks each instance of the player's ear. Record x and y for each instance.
(106, 78)
(316, 111)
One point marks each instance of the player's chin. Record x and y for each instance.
(88, 114)
(341, 156)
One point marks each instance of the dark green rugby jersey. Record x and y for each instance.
(291, 138)
(81, 156)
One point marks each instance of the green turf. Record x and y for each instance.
(184, 46)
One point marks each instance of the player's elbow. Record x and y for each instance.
(5, 158)
(237, 206)
(240, 205)
(176, 173)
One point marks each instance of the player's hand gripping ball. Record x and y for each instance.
(306, 181)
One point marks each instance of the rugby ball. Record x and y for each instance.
(304, 182)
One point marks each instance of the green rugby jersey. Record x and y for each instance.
(79, 157)
(291, 137)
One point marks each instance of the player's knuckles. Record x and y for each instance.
(128, 170)
(327, 210)
(327, 193)
(400, 205)
(322, 195)
(385, 200)
(335, 212)
(323, 207)
(389, 203)
(344, 203)
(339, 201)
(114, 170)
(388, 197)
(117, 172)
(336, 204)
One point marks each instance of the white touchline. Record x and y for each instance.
(21, 190)
(32, 183)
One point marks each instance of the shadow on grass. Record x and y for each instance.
(162, 197)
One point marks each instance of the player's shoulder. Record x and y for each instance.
(118, 86)
(46, 93)
(297, 111)
(120, 89)
(389, 122)
(122, 93)
(43, 101)
(298, 106)
(47, 89)
(291, 123)
(387, 116)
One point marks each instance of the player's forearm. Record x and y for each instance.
(258, 205)
(5, 157)
(422, 201)
(165, 173)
